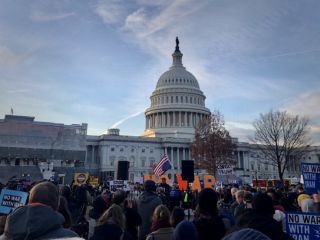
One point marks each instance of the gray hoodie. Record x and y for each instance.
(35, 222)
(146, 204)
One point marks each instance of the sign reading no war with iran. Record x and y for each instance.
(311, 177)
(10, 199)
(303, 226)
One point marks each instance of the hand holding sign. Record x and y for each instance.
(10, 199)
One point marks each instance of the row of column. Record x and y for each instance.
(174, 154)
(173, 119)
(91, 154)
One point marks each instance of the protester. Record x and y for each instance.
(99, 206)
(177, 216)
(260, 218)
(64, 210)
(39, 219)
(161, 228)
(133, 219)
(185, 230)
(147, 202)
(209, 225)
(111, 225)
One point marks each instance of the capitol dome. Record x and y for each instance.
(177, 103)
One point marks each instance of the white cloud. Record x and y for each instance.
(112, 11)
(38, 16)
(9, 57)
(305, 104)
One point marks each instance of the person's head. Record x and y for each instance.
(233, 191)
(113, 215)
(161, 214)
(262, 203)
(307, 205)
(185, 230)
(177, 215)
(46, 193)
(118, 197)
(240, 196)
(149, 186)
(163, 180)
(207, 203)
(302, 197)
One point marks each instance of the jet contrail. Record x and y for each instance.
(288, 54)
(126, 118)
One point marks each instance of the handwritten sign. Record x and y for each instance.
(311, 177)
(119, 185)
(224, 170)
(305, 226)
(10, 199)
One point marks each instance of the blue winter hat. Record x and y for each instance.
(185, 230)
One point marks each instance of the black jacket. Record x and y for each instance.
(210, 228)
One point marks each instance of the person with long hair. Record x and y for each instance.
(161, 228)
(111, 225)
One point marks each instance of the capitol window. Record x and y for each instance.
(112, 149)
(181, 99)
(143, 150)
(171, 99)
(177, 99)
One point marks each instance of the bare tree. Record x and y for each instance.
(212, 144)
(281, 137)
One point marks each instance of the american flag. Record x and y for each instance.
(162, 166)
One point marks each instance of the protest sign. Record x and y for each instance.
(94, 181)
(80, 178)
(224, 170)
(304, 226)
(119, 185)
(10, 199)
(311, 177)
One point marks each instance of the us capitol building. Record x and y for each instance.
(38, 149)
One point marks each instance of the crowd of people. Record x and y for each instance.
(153, 212)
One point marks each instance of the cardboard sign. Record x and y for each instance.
(119, 185)
(94, 181)
(311, 177)
(303, 225)
(223, 170)
(80, 178)
(10, 199)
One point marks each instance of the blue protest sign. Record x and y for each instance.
(311, 177)
(10, 199)
(303, 225)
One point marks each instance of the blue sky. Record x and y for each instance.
(98, 62)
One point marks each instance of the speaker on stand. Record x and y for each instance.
(187, 170)
(123, 170)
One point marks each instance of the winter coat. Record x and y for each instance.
(161, 234)
(210, 228)
(146, 204)
(109, 231)
(35, 222)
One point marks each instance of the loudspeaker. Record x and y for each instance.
(123, 170)
(187, 170)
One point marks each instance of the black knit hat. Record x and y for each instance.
(150, 186)
(208, 199)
